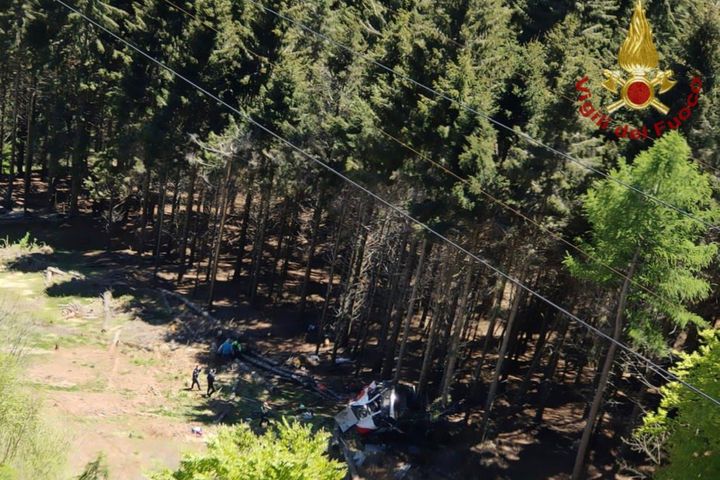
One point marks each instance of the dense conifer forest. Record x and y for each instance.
(410, 183)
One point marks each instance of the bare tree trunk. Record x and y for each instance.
(410, 310)
(78, 161)
(175, 205)
(259, 243)
(161, 217)
(344, 326)
(391, 341)
(454, 348)
(317, 217)
(291, 241)
(214, 216)
(279, 249)
(196, 227)
(247, 210)
(545, 333)
(145, 208)
(186, 223)
(490, 334)
(3, 98)
(435, 322)
(579, 469)
(221, 230)
(549, 373)
(501, 360)
(331, 280)
(396, 278)
(13, 136)
(29, 143)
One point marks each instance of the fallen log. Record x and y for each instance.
(195, 309)
(62, 273)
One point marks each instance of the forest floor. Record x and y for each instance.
(120, 386)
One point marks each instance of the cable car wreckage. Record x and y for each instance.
(377, 408)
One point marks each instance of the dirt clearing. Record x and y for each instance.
(130, 403)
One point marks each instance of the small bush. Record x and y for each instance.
(29, 448)
(96, 470)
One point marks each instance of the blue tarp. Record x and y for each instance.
(226, 349)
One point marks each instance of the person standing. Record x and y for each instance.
(195, 377)
(211, 382)
(264, 414)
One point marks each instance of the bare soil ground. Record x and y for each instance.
(119, 400)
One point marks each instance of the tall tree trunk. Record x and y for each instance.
(161, 218)
(29, 143)
(545, 333)
(331, 281)
(501, 359)
(174, 206)
(549, 372)
(291, 242)
(214, 216)
(259, 244)
(490, 334)
(215, 259)
(458, 327)
(317, 216)
(13, 136)
(196, 227)
(145, 208)
(410, 310)
(3, 102)
(78, 162)
(392, 297)
(247, 210)
(391, 342)
(435, 322)
(579, 468)
(344, 326)
(186, 223)
(279, 249)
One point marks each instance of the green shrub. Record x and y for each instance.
(683, 435)
(96, 470)
(29, 448)
(289, 451)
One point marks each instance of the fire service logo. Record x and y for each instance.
(639, 87)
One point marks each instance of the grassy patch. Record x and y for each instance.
(145, 361)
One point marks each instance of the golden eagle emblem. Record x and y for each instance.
(639, 58)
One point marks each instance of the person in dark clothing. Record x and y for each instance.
(264, 414)
(211, 382)
(195, 377)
